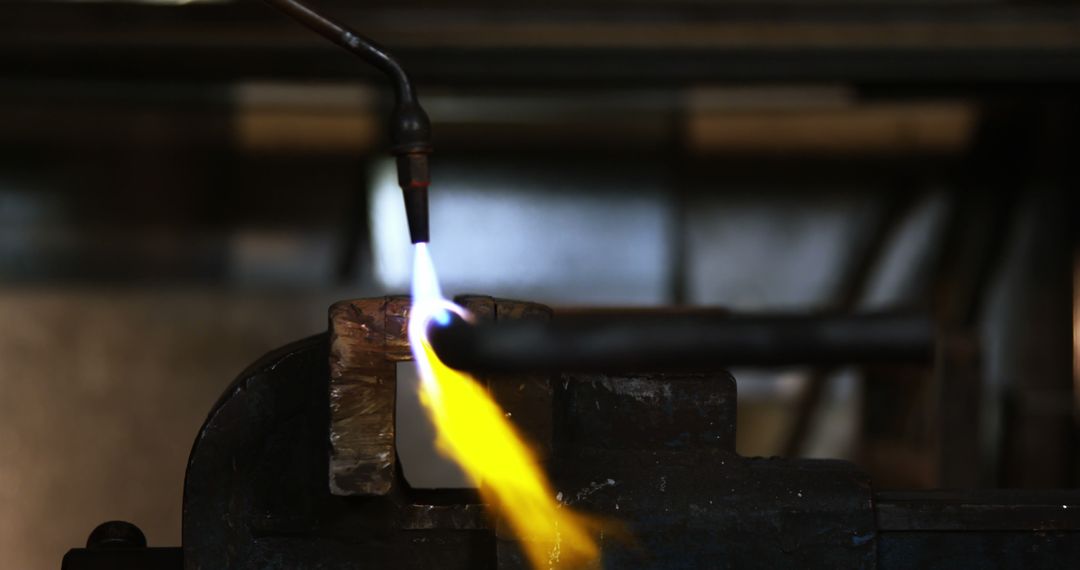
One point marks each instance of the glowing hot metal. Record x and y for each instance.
(474, 432)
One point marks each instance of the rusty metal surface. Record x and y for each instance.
(656, 452)
(366, 338)
(713, 509)
(435, 517)
(648, 411)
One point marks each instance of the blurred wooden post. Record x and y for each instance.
(959, 377)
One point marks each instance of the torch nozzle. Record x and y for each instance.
(410, 130)
(413, 178)
(416, 212)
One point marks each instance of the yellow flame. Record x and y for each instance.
(473, 431)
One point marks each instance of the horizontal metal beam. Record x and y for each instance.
(478, 43)
(983, 510)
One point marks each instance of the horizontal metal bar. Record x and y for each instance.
(949, 70)
(687, 341)
(486, 43)
(986, 510)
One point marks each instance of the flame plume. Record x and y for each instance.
(474, 432)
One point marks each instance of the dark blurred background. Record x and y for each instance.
(185, 185)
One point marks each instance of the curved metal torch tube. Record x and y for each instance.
(410, 127)
(341, 35)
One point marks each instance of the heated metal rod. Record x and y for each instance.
(658, 342)
(410, 128)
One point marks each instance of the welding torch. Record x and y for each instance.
(410, 128)
(646, 341)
